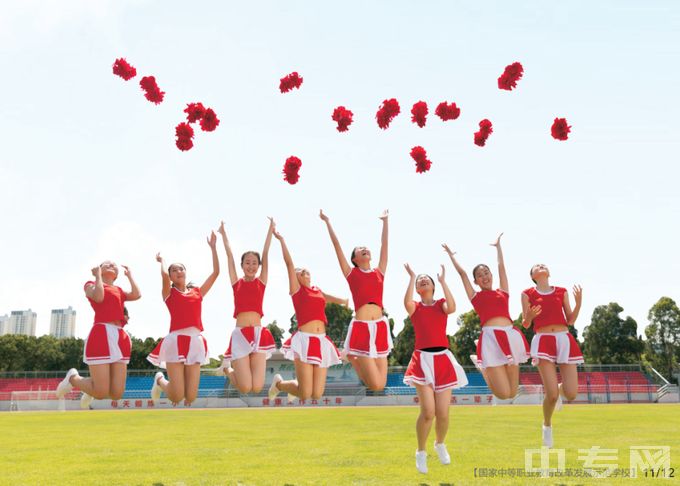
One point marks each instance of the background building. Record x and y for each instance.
(4, 321)
(22, 322)
(63, 323)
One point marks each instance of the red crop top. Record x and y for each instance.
(491, 303)
(552, 309)
(185, 309)
(366, 287)
(310, 305)
(111, 308)
(248, 296)
(429, 325)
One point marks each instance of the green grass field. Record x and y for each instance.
(350, 445)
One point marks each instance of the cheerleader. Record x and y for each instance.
(309, 348)
(368, 340)
(250, 344)
(501, 347)
(184, 349)
(107, 347)
(551, 313)
(433, 370)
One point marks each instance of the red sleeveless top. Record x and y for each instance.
(429, 325)
(366, 287)
(310, 305)
(248, 296)
(111, 308)
(552, 310)
(491, 303)
(185, 309)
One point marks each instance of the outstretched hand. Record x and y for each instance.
(323, 217)
(532, 313)
(126, 271)
(97, 271)
(409, 270)
(159, 258)
(212, 239)
(448, 250)
(497, 243)
(278, 236)
(221, 229)
(441, 276)
(385, 215)
(578, 294)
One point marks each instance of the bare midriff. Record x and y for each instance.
(369, 312)
(498, 321)
(313, 327)
(552, 328)
(248, 319)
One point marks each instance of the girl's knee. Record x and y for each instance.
(427, 413)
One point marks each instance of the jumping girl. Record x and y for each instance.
(550, 311)
(501, 347)
(107, 348)
(184, 349)
(368, 340)
(312, 351)
(250, 344)
(433, 370)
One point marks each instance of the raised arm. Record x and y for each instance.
(233, 276)
(165, 277)
(450, 304)
(501, 265)
(409, 304)
(573, 315)
(134, 293)
(529, 313)
(264, 272)
(344, 265)
(293, 284)
(382, 264)
(207, 285)
(335, 300)
(469, 290)
(96, 291)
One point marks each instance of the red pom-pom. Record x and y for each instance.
(386, 113)
(343, 117)
(209, 121)
(291, 169)
(419, 113)
(513, 73)
(420, 156)
(184, 130)
(560, 130)
(184, 143)
(194, 111)
(123, 69)
(287, 83)
(447, 111)
(151, 90)
(485, 129)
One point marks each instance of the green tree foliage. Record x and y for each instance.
(277, 332)
(403, 345)
(611, 339)
(662, 349)
(463, 342)
(140, 350)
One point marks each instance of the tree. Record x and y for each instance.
(662, 349)
(72, 353)
(611, 339)
(339, 318)
(463, 342)
(277, 332)
(403, 345)
(140, 350)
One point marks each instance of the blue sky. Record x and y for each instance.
(90, 170)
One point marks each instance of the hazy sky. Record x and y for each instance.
(90, 171)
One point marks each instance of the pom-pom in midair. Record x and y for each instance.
(418, 154)
(291, 170)
(343, 117)
(387, 112)
(513, 73)
(419, 113)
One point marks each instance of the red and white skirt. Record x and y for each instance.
(106, 344)
(368, 338)
(440, 370)
(558, 347)
(247, 340)
(316, 349)
(501, 345)
(186, 346)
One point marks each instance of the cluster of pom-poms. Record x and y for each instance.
(485, 129)
(148, 84)
(196, 112)
(290, 81)
(387, 112)
(419, 154)
(291, 170)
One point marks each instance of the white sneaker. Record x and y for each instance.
(473, 358)
(443, 454)
(156, 389)
(547, 436)
(273, 389)
(421, 461)
(65, 385)
(85, 401)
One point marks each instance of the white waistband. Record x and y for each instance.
(433, 353)
(187, 331)
(382, 319)
(498, 327)
(551, 332)
(321, 334)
